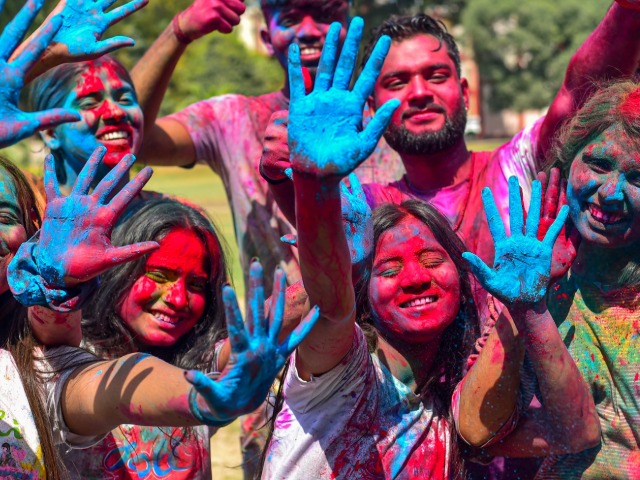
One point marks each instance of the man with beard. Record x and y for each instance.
(226, 132)
(422, 70)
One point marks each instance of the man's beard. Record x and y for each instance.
(406, 143)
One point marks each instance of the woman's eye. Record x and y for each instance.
(127, 99)
(6, 219)
(198, 285)
(87, 103)
(157, 277)
(389, 272)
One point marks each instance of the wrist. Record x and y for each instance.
(182, 37)
(202, 410)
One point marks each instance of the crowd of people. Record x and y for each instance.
(431, 312)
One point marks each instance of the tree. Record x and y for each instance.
(522, 48)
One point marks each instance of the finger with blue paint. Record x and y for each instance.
(325, 127)
(75, 243)
(84, 22)
(256, 354)
(358, 220)
(522, 265)
(14, 123)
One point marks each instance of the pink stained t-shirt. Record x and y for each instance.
(356, 422)
(462, 203)
(228, 133)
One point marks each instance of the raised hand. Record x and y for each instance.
(14, 123)
(566, 246)
(275, 162)
(256, 354)
(206, 16)
(358, 222)
(83, 25)
(75, 243)
(522, 265)
(325, 127)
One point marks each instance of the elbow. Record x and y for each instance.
(474, 432)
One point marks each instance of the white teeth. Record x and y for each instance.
(117, 135)
(309, 51)
(164, 318)
(605, 217)
(419, 301)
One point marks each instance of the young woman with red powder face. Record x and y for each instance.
(168, 304)
(102, 92)
(597, 304)
(65, 394)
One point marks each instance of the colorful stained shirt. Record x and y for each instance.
(149, 453)
(462, 203)
(143, 453)
(20, 451)
(228, 132)
(356, 422)
(601, 329)
(20, 448)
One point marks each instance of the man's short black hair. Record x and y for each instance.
(405, 27)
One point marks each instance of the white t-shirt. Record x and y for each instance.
(20, 449)
(356, 421)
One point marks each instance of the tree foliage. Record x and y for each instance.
(213, 65)
(522, 48)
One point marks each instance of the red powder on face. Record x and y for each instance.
(630, 108)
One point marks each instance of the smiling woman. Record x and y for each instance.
(102, 92)
(597, 304)
(168, 304)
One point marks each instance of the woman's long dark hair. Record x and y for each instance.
(16, 335)
(458, 339)
(102, 326)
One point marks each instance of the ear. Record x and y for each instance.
(265, 36)
(50, 138)
(371, 103)
(464, 86)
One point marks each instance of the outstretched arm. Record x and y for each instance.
(326, 145)
(611, 51)
(16, 60)
(166, 142)
(519, 278)
(144, 390)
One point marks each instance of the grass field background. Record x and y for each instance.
(203, 187)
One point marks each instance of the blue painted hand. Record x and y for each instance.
(325, 126)
(84, 23)
(358, 222)
(257, 356)
(75, 239)
(14, 123)
(522, 265)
